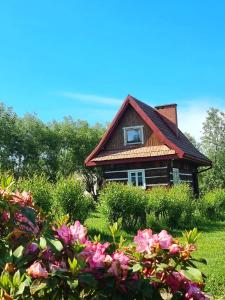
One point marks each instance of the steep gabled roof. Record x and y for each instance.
(162, 128)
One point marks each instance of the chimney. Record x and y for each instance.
(169, 111)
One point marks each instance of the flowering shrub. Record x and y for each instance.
(60, 261)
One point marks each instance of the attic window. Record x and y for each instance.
(133, 135)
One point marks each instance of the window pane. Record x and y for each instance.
(133, 136)
(140, 179)
(176, 176)
(133, 178)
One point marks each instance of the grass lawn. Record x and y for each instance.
(211, 246)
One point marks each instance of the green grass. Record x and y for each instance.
(211, 246)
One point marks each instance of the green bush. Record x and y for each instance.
(124, 202)
(174, 206)
(40, 188)
(213, 204)
(69, 197)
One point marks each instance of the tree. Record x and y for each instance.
(28, 146)
(9, 139)
(193, 140)
(213, 145)
(78, 139)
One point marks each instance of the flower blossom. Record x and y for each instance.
(195, 293)
(72, 234)
(25, 223)
(146, 240)
(95, 255)
(5, 216)
(37, 271)
(23, 199)
(176, 281)
(31, 248)
(119, 265)
(165, 240)
(175, 248)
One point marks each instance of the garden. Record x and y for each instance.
(58, 243)
(47, 254)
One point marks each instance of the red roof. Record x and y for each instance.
(163, 129)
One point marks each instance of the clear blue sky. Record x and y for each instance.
(81, 58)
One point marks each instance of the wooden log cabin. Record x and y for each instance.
(143, 146)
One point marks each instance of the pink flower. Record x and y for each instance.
(121, 257)
(72, 234)
(25, 223)
(23, 199)
(145, 240)
(5, 216)
(195, 293)
(58, 265)
(175, 281)
(94, 254)
(78, 232)
(31, 248)
(64, 234)
(36, 271)
(174, 249)
(165, 240)
(119, 266)
(48, 255)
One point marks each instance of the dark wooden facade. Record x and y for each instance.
(131, 118)
(157, 173)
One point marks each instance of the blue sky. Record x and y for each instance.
(81, 58)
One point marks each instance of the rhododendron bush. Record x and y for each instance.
(43, 260)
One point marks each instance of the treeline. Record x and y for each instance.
(28, 146)
(212, 144)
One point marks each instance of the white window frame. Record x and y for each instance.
(136, 171)
(125, 129)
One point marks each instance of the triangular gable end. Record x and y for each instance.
(132, 102)
(129, 118)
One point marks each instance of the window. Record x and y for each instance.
(133, 135)
(137, 178)
(176, 176)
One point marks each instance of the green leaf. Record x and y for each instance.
(88, 279)
(191, 236)
(21, 288)
(29, 213)
(193, 274)
(16, 278)
(200, 260)
(136, 267)
(36, 286)
(18, 252)
(73, 284)
(43, 243)
(73, 264)
(56, 244)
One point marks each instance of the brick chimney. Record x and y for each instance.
(169, 111)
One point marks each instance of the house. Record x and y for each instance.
(144, 147)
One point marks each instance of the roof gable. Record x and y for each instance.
(130, 118)
(160, 126)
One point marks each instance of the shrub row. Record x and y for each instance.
(160, 207)
(125, 203)
(44, 258)
(66, 196)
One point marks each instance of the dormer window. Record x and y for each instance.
(133, 135)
